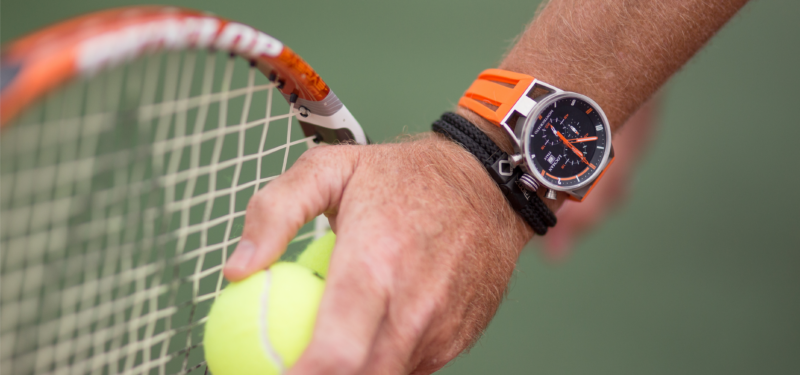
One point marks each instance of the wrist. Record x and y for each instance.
(495, 133)
(501, 139)
(462, 172)
(514, 183)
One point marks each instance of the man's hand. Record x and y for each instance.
(426, 241)
(426, 244)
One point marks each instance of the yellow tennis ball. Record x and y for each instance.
(261, 325)
(317, 254)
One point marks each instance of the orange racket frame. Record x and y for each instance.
(42, 61)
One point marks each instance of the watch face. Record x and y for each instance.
(567, 142)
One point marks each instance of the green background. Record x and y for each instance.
(698, 273)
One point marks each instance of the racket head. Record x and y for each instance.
(131, 141)
(42, 61)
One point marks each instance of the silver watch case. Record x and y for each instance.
(518, 124)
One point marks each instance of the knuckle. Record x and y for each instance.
(315, 152)
(260, 202)
(319, 165)
(267, 206)
(316, 155)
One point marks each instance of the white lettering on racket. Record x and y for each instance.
(246, 40)
(129, 42)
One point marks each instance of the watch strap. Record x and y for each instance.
(493, 94)
(526, 203)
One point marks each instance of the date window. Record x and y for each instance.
(551, 159)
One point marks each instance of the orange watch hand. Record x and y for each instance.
(571, 147)
(579, 140)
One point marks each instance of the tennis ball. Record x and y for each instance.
(261, 325)
(317, 254)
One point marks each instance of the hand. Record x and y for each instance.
(575, 219)
(571, 147)
(426, 244)
(580, 140)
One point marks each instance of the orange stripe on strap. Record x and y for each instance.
(494, 93)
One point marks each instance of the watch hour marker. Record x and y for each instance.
(578, 178)
(559, 181)
(599, 127)
(600, 147)
(573, 102)
(588, 111)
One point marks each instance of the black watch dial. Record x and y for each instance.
(567, 142)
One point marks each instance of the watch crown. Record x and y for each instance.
(529, 182)
(515, 159)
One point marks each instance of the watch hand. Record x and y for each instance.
(571, 147)
(579, 140)
(573, 129)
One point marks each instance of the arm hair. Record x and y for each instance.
(617, 52)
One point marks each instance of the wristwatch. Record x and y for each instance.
(562, 139)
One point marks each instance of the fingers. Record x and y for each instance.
(355, 301)
(573, 219)
(276, 212)
(391, 351)
(396, 348)
(419, 330)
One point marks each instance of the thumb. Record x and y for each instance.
(275, 213)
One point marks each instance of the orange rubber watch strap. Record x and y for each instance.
(494, 93)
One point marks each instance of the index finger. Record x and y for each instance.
(275, 214)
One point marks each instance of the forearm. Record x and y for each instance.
(616, 52)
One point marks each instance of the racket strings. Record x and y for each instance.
(121, 197)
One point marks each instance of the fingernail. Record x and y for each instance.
(242, 255)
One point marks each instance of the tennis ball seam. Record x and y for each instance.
(268, 348)
(261, 325)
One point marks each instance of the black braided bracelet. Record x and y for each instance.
(527, 204)
(469, 136)
(484, 141)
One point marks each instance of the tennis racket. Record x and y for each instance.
(131, 142)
